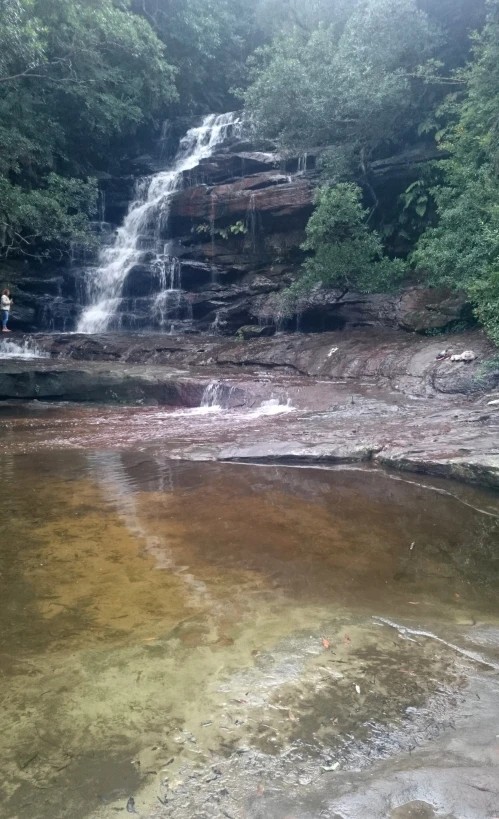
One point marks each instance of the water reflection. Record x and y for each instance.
(170, 613)
(110, 474)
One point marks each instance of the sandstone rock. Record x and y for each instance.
(272, 196)
(262, 193)
(22, 316)
(41, 286)
(250, 331)
(225, 167)
(262, 284)
(467, 356)
(403, 165)
(142, 280)
(118, 193)
(422, 310)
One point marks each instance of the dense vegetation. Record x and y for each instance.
(82, 82)
(462, 249)
(369, 81)
(76, 79)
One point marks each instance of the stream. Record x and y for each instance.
(198, 639)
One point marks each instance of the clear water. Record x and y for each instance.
(161, 618)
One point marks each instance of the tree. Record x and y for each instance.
(277, 16)
(208, 41)
(21, 39)
(462, 251)
(345, 252)
(78, 78)
(352, 85)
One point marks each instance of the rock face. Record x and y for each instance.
(236, 228)
(405, 363)
(421, 310)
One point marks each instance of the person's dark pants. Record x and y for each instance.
(5, 319)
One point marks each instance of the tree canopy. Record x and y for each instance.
(369, 80)
(346, 253)
(351, 83)
(462, 250)
(77, 78)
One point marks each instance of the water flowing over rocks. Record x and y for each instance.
(196, 251)
(203, 242)
(375, 395)
(171, 398)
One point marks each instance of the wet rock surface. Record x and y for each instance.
(235, 227)
(383, 398)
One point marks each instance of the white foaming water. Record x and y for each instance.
(213, 396)
(272, 407)
(211, 404)
(27, 349)
(149, 210)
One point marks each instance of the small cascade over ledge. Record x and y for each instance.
(27, 349)
(144, 239)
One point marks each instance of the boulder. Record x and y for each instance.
(142, 280)
(422, 310)
(262, 284)
(250, 331)
(117, 193)
(41, 286)
(59, 314)
(230, 166)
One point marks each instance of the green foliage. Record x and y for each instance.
(418, 205)
(78, 77)
(462, 251)
(81, 80)
(365, 79)
(277, 16)
(208, 41)
(349, 85)
(21, 38)
(346, 252)
(239, 228)
(54, 215)
(416, 196)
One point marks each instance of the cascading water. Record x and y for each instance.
(213, 395)
(26, 350)
(147, 215)
(302, 164)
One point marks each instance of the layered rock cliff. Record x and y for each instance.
(236, 227)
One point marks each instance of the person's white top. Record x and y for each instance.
(6, 302)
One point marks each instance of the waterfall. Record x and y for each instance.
(170, 304)
(302, 164)
(149, 212)
(27, 349)
(251, 221)
(213, 395)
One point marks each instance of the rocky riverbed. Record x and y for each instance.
(379, 397)
(225, 595)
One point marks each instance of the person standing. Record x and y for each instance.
(6, 303)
